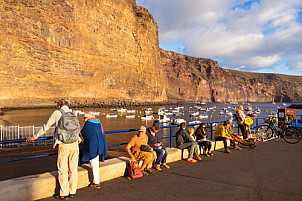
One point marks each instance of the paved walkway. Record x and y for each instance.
(271, 171)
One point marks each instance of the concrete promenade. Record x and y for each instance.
(271, 171)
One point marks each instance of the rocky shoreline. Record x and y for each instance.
(83, 103)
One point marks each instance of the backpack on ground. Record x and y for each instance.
(134, 170)
(68, 127)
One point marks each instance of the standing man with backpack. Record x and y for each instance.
(66, 135)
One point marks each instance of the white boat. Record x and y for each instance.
(111, 115)
(248, 109)
(230, 113)
(147, 117)
(221, 113)
(203, 116)
(160, 112)
(284, 104)
(178, 121)
(175, 111)
(76, 112)
(163, 119)
(95, 113)
(130, 116)
(131, 111)
(194, 122)
(169, 113)
(122, 110)
(197, 107)
(194, 114)
(148, 112)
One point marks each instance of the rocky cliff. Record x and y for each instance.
(103, 52)
(78, 49)
(201, 79)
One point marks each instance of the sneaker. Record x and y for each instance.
(197, 158)
(156, 167)
(238, 148)
(144, 172)
(165, 166)
(191, 160)
(252, 146)
(93, 185)
(72, 195)
(210, 154)
(61, 197)
(227, 151)
(149, 170)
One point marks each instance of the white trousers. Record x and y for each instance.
(95, 166)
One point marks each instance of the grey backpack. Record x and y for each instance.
(68, 127)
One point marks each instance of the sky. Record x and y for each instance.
(256, 35)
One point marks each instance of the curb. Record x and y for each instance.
(45, 185)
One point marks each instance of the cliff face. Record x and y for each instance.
(79, 49)
(108, 50)
(200, 79)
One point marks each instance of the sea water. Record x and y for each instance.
(38, 117)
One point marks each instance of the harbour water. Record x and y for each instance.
(38, 117)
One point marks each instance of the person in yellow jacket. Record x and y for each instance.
(221, 134)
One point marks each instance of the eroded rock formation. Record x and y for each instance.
(102, 52)
(79, 49)
(201, 79)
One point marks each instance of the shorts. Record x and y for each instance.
(141, 155)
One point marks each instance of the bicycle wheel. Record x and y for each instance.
(292, 135)
(265, 131)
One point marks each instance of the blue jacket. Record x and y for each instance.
(152, 140)
(94, 141)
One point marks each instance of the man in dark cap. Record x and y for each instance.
(157, 146)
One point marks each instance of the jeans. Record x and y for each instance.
(161, 156)
(243, 130)
(192, 146)
(206, 144)
(224, 139)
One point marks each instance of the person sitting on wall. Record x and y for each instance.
(201, 138)
(221, 134)
(161, 152)
(183, 141)
(236, 138)
(133, 148)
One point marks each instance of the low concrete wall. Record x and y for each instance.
(45, 185)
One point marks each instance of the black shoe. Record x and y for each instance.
(61, 197)
(252, 146)
(72, 195)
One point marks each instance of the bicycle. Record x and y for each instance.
(291, 135)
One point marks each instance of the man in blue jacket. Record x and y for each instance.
(161, 152)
